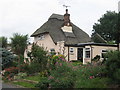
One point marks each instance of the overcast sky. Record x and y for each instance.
(25, 16)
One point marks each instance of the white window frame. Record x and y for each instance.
(103, 52)
(71, 50)
(41, 37)
(87, 50)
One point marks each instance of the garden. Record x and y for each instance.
(47, 70)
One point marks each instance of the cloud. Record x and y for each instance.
(25, 16)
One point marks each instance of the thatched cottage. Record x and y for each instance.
(59, 34)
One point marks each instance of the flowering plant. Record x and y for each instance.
(10, 72)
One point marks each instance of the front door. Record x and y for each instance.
(80, 54)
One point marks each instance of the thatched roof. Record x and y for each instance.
(53, 27)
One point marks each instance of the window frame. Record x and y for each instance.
(71, 50)
(41, 37)
(86, 52)
(105, 51)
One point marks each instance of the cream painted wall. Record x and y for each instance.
(97, 50)
(46, 42)
(72, 56)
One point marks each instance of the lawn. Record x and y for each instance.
(24, 84)
(33, 78)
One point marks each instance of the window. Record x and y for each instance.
(87, 52)
(103, 53)
(41, 37)
(52, 50)
(71, 50)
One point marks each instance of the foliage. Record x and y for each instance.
(61, 77)
(19, 43)
(76, 63)
(3, 42)
(39, 57)
(107, 26)
(92, 83)
(90, 77)
(31, 68)
(33, 78)
(96, 58)
(113, 65)
(53, 59)
(38, 60)
(65, 75)
(117, 33)
(6, 59)
(10, 72)
(20, 76)
(43, 84)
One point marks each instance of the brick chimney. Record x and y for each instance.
(67, 19)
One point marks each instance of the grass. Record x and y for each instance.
(33, 78)
(24, 84)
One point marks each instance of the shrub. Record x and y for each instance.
(113, 65)
(62, 76)
(96, 58)
(39, 56)
(31, 68)
(44, 83)
(90, 77)
(6, 58)
(10, 72)
(20, 76)
(54, 60)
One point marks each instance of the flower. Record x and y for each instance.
(50, 77)
(91, 77)
(60, 64)
(56, 63)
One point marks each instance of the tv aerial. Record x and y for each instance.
(66, 6)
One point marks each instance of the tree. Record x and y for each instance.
(39, 56)
(3, 42)
(6, 57)
(118, 29)
(107, 26)
(19, 43)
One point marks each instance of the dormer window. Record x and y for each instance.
(41, 37)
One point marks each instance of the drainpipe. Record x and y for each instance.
(68, 53)
(91, 52)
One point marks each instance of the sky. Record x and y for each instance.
(26, 16)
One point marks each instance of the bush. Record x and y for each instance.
(20, 76)
(54, 59)
(6, 59)
(31, 68)
(39, 56)
(113, 65)
(96, 58)
(10, 72)
(62, 76)
(44, 83)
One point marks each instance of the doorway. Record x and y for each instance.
(80, 54)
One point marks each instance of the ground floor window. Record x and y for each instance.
(71, 50)
(87, 52)
(103, 53)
